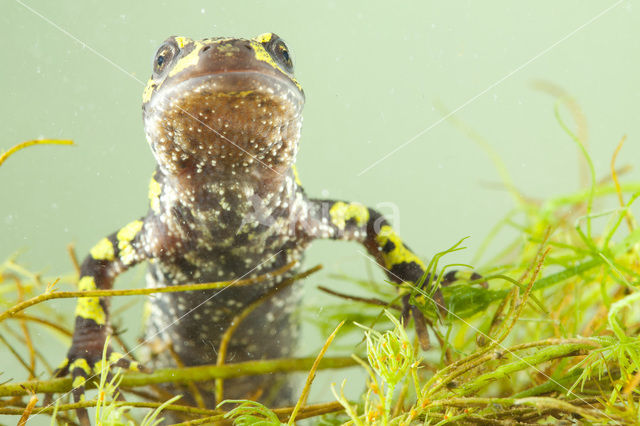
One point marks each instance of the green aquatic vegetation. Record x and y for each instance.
(552, 338)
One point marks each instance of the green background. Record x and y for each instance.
(372, 73)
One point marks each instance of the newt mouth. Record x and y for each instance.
(226, 117)
(258, 95)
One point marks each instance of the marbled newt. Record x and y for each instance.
(223, 117)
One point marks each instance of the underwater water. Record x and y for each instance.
(379, 81)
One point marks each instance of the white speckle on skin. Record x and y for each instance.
(202, 234)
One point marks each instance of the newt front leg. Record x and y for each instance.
(110, 257)
(341, 220)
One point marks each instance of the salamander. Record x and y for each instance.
(223, 117)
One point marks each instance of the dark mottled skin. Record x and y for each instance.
(223, 119)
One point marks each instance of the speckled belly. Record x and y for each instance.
(192, 323)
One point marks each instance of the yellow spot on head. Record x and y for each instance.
(148, 91)
(103, 250)
(228, 49)
(190, 60)
(341, 212)
(154, 195)
(261, 54)
(264, 38)
(181, 41)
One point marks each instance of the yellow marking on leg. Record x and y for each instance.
(341, 212)
(90, 308)
(83, 365)
(116, 356)
(399, 254)
(97, 368)
(103, 250)
(63, 364)
(87, 283)
(78, 382)
(125, 236)
(154, 195)
(464, 276)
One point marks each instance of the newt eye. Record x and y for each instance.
(280, 52)
(164, 57)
